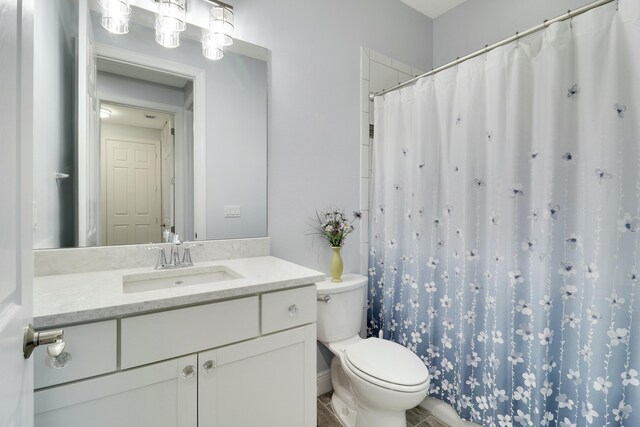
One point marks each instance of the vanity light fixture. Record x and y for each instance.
(115, 15)
(220, 31)
(171, 20)
(105, 113)
(221, 23)
(210, 47)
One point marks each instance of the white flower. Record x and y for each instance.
(567, 423)
(572, 320)
(391, 243)
(574, 241)
(516, 191)
(593, 315)
(523, 307)
(523, 419)
(617, 336)
(546, 337)
(614, 300)
(601, 384)
(546, 418)
(472, 382)
(515, 277)
(505, 421)
(566, 270)
(568, 292)
(473, 359)
(574, 376)
(628, 224)
(564, 402)
(430, 287)
(630, 377)
(482, 403)
(445, 301)
(521, 394)
(591, 272)
(547, 388)
(548, 364)
(497, 337)
(482, 336)
(528, 245)
(475, 287)
(525, 332)
(432, 263)
(415, 337)
(399, 306)
(529, 379)
(472, 255)
(545, 302)
(622, 412)
(588, 412)
(515, 358)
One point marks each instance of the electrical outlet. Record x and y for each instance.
(232, 211)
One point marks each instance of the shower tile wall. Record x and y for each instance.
(377, 72)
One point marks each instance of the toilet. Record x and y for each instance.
(374, 380)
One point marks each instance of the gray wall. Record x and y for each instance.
(55, 29)
(314, 105)
(476, 23)
(121, 86)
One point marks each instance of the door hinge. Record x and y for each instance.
(371, 131)
(173, 131)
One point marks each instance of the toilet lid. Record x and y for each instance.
(387, 361)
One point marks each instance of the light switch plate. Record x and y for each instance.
(232, 211)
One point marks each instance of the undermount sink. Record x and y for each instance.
(166, 279)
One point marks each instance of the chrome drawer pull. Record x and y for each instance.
(209, 366)
(325, 298)
(293, 310)
(188, 372)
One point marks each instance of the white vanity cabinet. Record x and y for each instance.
(241, 362)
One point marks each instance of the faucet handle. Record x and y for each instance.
(186, 254)
(162, 257)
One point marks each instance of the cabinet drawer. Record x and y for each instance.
(287, 309)
(92, 348)
(159, 336)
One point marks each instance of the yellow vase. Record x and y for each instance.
(336, 266)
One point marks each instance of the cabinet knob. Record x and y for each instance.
(293, 310)
(60, 361)
(209, 366)
(188, 372)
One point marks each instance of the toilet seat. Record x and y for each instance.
(372, 358)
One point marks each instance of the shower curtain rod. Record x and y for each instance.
(570, 14)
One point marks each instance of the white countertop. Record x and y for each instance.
(92, 296)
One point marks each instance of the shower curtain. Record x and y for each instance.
(505, 227)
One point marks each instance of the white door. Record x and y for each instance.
(16, 253)
(132, 191)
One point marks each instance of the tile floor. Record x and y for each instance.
(416, 417)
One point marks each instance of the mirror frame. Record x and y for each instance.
(197, 75)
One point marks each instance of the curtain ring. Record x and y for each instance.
(457, 64)
(570, 19)
(517, 40)
(486, 52)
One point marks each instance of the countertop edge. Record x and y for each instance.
(176, 302)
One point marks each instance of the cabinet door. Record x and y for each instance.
(268, 381)
(160, 395)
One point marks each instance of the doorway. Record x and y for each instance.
(137, 185)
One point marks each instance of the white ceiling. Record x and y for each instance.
(122, 115)
(433, 8)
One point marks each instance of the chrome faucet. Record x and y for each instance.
(175, 261)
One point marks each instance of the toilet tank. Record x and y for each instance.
(340, 317)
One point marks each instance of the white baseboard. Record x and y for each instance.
(324, 382)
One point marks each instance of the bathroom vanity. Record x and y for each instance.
(239, 351)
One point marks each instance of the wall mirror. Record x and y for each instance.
(133, 140)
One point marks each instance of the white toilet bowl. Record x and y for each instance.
(374, 381)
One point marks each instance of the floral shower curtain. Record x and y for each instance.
(505, 227)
